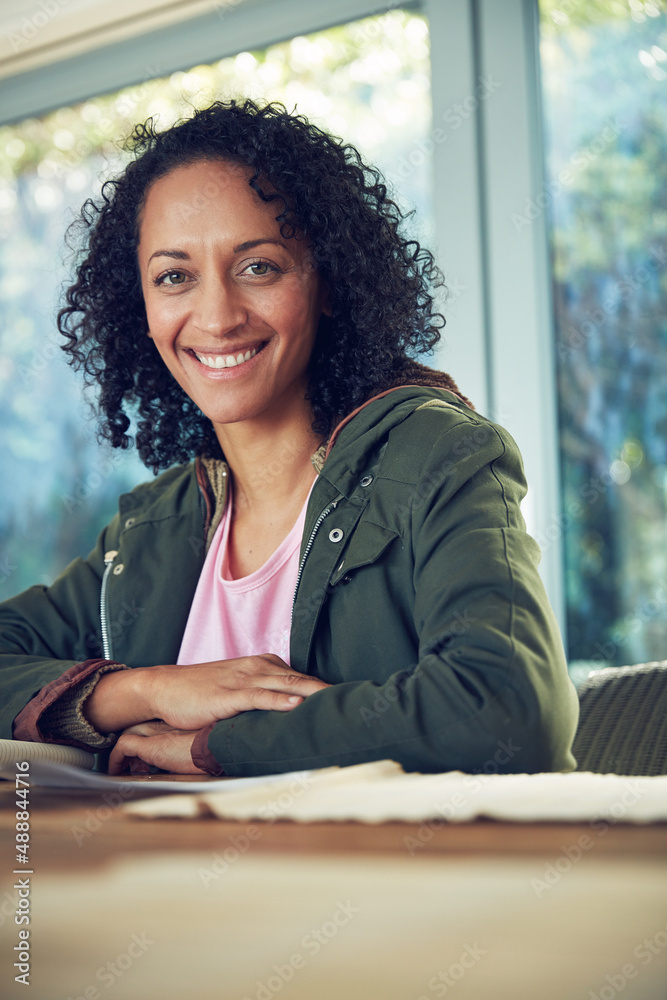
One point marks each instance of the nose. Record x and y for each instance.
(219, 307)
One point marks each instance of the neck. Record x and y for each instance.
(270, 460)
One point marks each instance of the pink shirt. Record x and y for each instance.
(243, 617)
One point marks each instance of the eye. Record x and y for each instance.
(170, 278)
(261, 268)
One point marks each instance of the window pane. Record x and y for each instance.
(604, 72)
(367, 82)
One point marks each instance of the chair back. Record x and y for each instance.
(623, 720)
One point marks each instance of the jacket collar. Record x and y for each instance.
(357, 435)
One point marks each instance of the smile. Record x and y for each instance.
(225, 361)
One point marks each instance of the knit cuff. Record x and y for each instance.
(55, 714)
(202, 756)
(66, 717)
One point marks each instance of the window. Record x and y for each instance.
(604, 73)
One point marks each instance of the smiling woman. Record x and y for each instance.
(244, 307)
(247, 287)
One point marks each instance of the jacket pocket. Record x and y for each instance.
(365, 547)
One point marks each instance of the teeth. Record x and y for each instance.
(218, 361)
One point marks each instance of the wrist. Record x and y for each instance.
(119, 700)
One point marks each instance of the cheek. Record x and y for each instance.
(300, 313)
(162, 317)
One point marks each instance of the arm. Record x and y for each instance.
(49, 643)
(488, 686)
(192, 696)
(42, 625)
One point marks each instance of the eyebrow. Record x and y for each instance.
(256, 243)
(240, 248)
(176, 254)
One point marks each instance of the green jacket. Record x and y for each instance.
(418, 600)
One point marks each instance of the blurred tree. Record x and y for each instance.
(604, 69)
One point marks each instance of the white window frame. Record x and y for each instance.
(487, 158)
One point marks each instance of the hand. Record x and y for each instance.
(191, 697)
(153, 743)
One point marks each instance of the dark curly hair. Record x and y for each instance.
(382, 307)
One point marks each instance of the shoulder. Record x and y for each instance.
(166, 493)
(438, 430)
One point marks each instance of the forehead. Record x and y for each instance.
(205, 194)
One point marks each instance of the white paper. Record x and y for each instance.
(381, 793)
(45, 774)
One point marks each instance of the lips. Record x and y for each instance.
(231, 360)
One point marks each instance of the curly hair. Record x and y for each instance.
(382, 309)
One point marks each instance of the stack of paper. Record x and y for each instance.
(381, 792)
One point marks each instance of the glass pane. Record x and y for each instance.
(367, 82)
(604, 72)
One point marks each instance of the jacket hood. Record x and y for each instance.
(355, 437)
(413, 376)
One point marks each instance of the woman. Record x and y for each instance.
(339, 571)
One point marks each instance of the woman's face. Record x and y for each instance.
(232, 307)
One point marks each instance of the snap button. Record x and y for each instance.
(117, 570)
(335, 535)
(366, 481)
(130, 521)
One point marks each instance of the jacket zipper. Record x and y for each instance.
(309, 544)
(107, 650)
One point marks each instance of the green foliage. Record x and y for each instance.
(604, 75)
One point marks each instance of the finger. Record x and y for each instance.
(249, 699)
(292, 683)
(168, 751)
(129, 750)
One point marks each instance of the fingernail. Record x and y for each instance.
(294, 699)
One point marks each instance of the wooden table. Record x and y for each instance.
(127, 908)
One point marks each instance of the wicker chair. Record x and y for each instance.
(623, 720)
